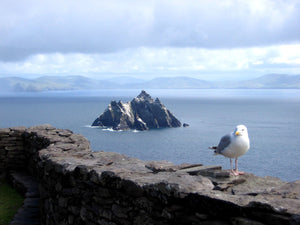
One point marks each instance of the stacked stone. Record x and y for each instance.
(78, 186)
(83, 195)
(12, 149)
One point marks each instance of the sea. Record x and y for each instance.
(271, 115)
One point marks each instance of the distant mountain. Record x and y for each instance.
(273, 81)
(14, 84)
(174, 82)
(49, 83)
(72, 83)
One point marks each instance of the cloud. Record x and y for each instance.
(33, 27)
(226, 24)
(164, 61)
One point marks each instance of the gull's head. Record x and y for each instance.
(241, 130)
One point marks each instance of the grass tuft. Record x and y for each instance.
(10, 202)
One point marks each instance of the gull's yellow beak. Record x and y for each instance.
(237, 133)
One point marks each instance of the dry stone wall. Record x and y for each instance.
(12, 149)
(79, 186)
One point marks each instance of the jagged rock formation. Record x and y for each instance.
(142, 113)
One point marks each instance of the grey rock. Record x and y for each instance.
(244, 221)
(78, 186)
(142, 113)
(295, 219)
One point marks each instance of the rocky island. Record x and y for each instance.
(142, 113)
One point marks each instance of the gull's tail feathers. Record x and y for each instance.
(215, 148)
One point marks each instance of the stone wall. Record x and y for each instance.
(79, 186)
(12, 149)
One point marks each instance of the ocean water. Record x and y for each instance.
(272, 118)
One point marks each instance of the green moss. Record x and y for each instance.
(10, 202)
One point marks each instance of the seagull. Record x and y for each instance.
(234, 145)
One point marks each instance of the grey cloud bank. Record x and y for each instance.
(33, 27)
(148, 39)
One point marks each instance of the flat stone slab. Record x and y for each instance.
(29, 213)
(200, 170)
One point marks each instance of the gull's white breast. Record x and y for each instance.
(239, 146)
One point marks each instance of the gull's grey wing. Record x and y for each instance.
(224, 142)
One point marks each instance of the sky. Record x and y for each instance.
(205, 39)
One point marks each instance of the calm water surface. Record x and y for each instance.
(272, 118)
